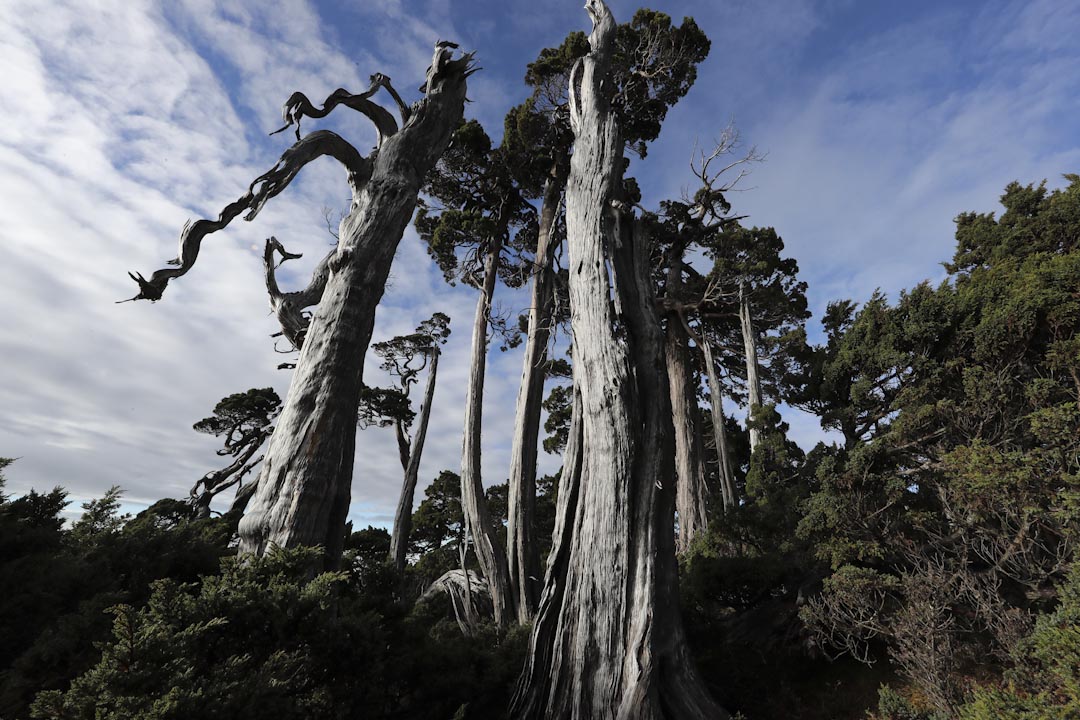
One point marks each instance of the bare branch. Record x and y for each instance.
(298, 106)
(289, 307)
(262, 189)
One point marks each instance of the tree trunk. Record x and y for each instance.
(753, 382)
(489, 552)
(399, 539)
(523, 555)
(690, 489)
(716, 401)
(304, 488)
(403, 445)
(608, 640)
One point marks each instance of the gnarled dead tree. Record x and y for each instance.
(303, 491)
(608, 641)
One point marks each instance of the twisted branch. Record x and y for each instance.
(298, 106)
(264, 187)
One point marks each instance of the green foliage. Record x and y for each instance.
(476, 207)
(383, 407)
(263, 639)
(100, 517)
(256, 641)
(559, 407)
(1045, 682)
(653, 67)
(240, 414)
(957, 488)
(58, 582)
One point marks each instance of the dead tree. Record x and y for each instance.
(304, 488)
(608, 640)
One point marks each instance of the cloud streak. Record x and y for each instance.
(128, 119)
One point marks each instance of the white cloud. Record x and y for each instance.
(124, 120)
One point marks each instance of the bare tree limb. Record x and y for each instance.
(264, 187)
(289, 307)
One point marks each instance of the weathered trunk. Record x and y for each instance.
(608, 641)
(690, 488)
(753, 382)
(399, 538)
(303, 491)
(489, 551)
(716, 403)
(522, 554)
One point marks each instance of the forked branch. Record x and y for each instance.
(289, 307)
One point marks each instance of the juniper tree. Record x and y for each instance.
(304, 487)
(626, 655)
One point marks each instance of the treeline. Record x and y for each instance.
(920, 567)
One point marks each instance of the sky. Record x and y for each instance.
(880, 123)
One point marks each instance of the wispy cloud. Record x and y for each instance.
(123, 121)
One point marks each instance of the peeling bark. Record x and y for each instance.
(716, 400)
(608, 641)
(690, 489)
(489, 551)
(753, 382)
(399, 538)
(522, 554)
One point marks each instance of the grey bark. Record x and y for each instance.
(716, 400)
(302, 494)
(489, 551)
(243, 496)
(690, 488)
(608, 641)
(303, 491)
(753, 382)
(399, 538)
(522, 554)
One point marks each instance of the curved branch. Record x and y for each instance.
(298, 106)
(263, 188)
(403, 108)
(289, 307)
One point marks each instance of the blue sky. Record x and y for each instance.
(881, 122)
